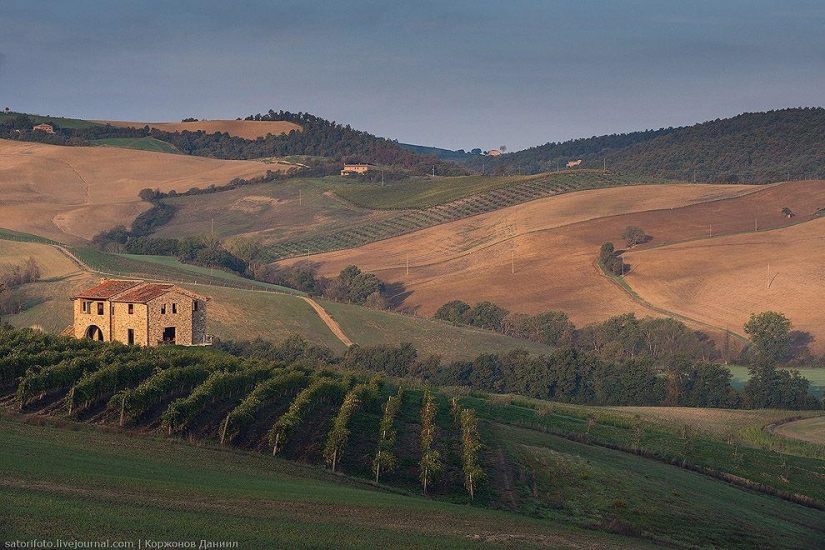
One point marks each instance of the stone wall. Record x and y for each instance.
(82, 321)
(172, 309)
(123, 321)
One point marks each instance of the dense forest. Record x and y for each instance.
(749, 148)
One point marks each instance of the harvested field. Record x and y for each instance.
(724, 280)
(528, 258)
(811, 430)
(53, 263)
(72, 193)
(247, 129)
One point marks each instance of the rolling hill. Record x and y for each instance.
(749, 148)
(724, 280)
(546, 249)
(72, 193)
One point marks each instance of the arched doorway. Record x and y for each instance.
(94, 333)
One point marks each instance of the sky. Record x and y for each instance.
(452, 74)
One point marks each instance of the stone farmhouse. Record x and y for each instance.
(350, 169)
(44, 127)
(137, 312)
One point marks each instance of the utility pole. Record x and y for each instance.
(433, 170)
(604, 164)
(769, 275)
(382, 177)
(710, 231)
(694, 176)
(300, 197)
(755, 224)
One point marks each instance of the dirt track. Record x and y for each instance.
(329, 321)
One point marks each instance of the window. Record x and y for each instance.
(163, 309)
(174, 308)
(195, 305)
(130, 335)
(131, 309)
(87, 307)
(100, 308)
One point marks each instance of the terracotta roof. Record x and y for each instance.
(143, 293)
(107, 289)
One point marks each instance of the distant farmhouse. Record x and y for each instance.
(350, 169)
(574, 163)
(136, 312)
(494, 152)
(44, 127)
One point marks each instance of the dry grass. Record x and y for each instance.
(72, 193)
(52, 262)
(247, 129)
(723, 280)
(549, 244)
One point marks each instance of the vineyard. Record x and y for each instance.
(546, 460)
(503, 195)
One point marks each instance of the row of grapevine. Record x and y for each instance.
(384, 457)
(219, 385)
(417, 219)
(319, 391)
(106, 381)
(132, 403)
(430, 465)
(57, 377)
(279, 386)
(339, 434)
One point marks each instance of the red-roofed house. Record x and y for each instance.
(136, 312)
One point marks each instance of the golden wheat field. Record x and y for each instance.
(247, 129)
(72, 193)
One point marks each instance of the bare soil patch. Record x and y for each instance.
(246, 129)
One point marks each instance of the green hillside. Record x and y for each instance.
(554, 467)
(141, 144)
(749, 148)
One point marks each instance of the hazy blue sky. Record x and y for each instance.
(455, 74)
